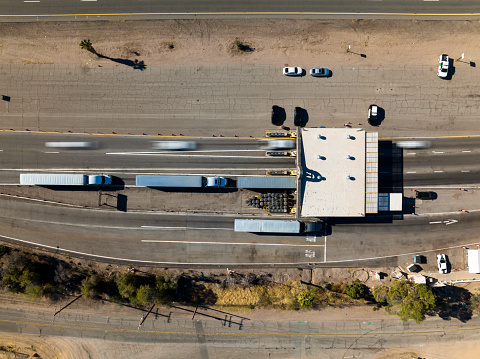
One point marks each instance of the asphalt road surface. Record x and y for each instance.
(235, 100)
(298, 8)
(237, 336)
(448, 161)
(124, 157)
(182, 239)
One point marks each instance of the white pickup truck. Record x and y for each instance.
(443, 63)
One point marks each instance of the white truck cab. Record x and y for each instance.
(215, 182)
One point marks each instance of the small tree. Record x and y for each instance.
(164, 290)
(410, 301)
(356, 290)
(90, 287)
(86, 44)
(144, 294)
(128, 286)
(381, 294)
(305, 299)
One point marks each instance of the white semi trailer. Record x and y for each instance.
(53, 179)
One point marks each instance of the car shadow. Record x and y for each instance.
(303, 117)
(281, 118)
(451, 69)
(380, 117)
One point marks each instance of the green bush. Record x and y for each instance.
(410, 301)
(144, 294)
(91, 287)
(164, 290)
(128, 286)
(381, 294)
(355, 290)
(305, 299)
(34, 291)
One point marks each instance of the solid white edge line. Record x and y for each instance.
(234, 243)
(183, 228)
(435, 222)
(206, 156)
(230, 263)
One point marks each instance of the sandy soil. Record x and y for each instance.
(210, 42)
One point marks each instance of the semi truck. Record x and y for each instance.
(53, 179)
(181, 181)
(277, 226)
(268, 182)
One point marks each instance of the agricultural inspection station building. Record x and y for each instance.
(338, 174)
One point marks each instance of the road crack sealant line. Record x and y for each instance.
(312, 335)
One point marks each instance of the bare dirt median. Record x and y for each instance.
(211, 42)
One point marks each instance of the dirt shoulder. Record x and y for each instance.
(210, 42)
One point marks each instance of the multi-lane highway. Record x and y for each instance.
(448, 161)
(126, 156)
(179, 238)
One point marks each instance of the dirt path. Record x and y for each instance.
(210, 42)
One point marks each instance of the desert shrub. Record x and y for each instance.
(34, 291)
(238, 44)
(305, 299)
(144, 294)
(381, 294)
(91, 287)
(128, 286)
(338, 287)
(355, 290)
(475, 302)
(164, 290)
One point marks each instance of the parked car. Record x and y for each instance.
(297, 116)
(372, 114)
(320, 72)
(442, 263)
(293, 71)
(425, 195)
(270, 144)
(414, 144)
(443, 65)
(276, 120)
(174, 145)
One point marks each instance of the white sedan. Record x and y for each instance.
(442, 263)
(293, 71)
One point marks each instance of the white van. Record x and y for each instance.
(174, 145)
(271, 144)
(73, 145)
(414, 144)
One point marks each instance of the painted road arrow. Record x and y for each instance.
(450, 221)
